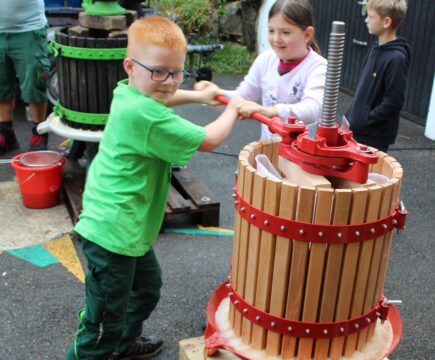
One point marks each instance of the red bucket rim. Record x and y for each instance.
(16, 164)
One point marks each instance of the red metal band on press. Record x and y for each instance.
(314, 330)
(319, 233)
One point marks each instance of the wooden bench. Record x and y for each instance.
(190, 200)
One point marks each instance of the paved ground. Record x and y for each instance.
(38, 304)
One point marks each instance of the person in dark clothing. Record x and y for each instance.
(375, 110)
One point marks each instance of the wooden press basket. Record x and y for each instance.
(309, 281)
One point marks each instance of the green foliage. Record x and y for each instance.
(233, 59)
(192, 14)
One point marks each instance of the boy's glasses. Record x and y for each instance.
(161, 75)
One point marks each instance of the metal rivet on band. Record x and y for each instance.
(320, 234)
(339, 235)
(372, 230)
(272, 324)
(236, 302)
(342, 330)
(385, 226)
(230, 294)
(245, 311)
(282, 228)
(394, 222)
(252, 216)
(257, 318)
(356, 326)
(325, 331)
(289, 328)
(242, 209)
(266, 222)
(368, 320)
(301, 232)
(228, 285)
(357, 233)
(307, 331)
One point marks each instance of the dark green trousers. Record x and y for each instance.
(121, 292)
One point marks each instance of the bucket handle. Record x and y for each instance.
(28, 178)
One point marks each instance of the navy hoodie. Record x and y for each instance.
(374, 113)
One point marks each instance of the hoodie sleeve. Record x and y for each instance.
(394, 93)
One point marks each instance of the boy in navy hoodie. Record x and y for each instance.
(375, 111)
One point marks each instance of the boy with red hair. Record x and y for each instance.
(127, 189)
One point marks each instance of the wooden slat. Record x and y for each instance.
(265, 263)
(243, 161)
(363, 266)
(296, 175)
(102, 88)
(281, 267)
(333, 267)
(199, 192)
(375, 264)
(73, 184)
(91, 76)
(243, 247)
(82, 80)
(176, 202)
(304, 212)
(253, 251)
(316, 262)
(359, 202)
(395, 184)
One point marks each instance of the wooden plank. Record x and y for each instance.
(317, 255)
(281, 266)
(359, 202)
(102, 89)
(242, 163)
(296, 175)
(91, 77)
(333, 267)
(112, 68)
(244, 242)
(254, 253)
(298, 266)
(176, 202)
(395, 185)
(363, 267)
(73, 77)
(194, 349)
(82, 81)
(73, 184)
(265, 262)
(60, 65)
(375, 264)
(186, 182)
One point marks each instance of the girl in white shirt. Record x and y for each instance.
(289, 79)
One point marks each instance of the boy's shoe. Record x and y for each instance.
(142, 347)
(8, 140)
(38, 142)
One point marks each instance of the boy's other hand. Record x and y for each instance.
(246, 108)
(209, 91)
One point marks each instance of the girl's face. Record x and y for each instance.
(154, 57)
(288, 40)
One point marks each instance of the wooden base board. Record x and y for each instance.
(193, 349)
(190, 200)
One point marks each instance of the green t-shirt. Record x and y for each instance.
(128, 181)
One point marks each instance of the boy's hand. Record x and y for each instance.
(209, 91)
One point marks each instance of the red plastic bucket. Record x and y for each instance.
(39, 186)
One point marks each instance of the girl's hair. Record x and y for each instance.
(297, 12)
(156, 30)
